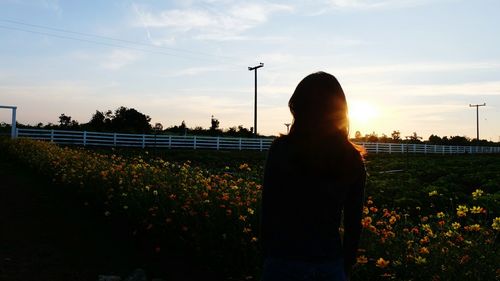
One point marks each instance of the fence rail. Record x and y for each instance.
(86, 138)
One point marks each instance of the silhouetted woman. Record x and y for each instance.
(314, 176)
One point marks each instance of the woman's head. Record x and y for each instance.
(319, 106)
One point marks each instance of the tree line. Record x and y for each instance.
(130, 120)
(396, 137)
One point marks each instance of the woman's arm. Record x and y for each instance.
(353, 209)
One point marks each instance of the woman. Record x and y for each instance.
(313, 175)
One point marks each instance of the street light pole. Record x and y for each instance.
(254, 68)
(477, 117)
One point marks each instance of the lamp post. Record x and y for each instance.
(254, 68)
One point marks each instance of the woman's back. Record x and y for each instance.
(312, 177)
(305, 190)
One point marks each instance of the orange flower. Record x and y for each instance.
(366, 221)
(424, 250)
(392, 220)
(381, 263)
(424, 240)
(464, 259)
(362, 260)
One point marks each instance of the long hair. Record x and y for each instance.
(320, 127)
(319, 107)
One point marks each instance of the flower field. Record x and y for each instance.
(437, 222)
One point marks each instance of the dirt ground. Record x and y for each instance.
(47, 234)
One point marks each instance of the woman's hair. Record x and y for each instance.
(319, 107)
(320, 128)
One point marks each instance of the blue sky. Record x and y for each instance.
(408, 65)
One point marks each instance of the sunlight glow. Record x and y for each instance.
(362, 112)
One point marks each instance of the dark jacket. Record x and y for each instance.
(306, 188)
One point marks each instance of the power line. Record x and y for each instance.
(113, 39)
(183, 56)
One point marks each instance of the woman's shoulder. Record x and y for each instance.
(280, 141)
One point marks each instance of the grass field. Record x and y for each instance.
(427, 217)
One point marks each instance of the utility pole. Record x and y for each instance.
(254, 68)
(477, 117)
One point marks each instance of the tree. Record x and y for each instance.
(433, 139)
(100, 121)
(65, 122)
(414, 138)
(396, 135)
(458, 140)
(383, 138)
(130, 120)
(214, 124)
(357, 135)
(214, 127)
(373, 137)
(158, 127)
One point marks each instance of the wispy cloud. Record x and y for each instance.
(374, 4)
(377, 90)
(420, 67)
(53, 5)
(226, 22)
(191, 71)
(120, 58)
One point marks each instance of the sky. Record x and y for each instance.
(407, 65)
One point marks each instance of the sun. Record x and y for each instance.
(362, 112)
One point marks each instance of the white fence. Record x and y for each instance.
(145, 141)
(221, 143)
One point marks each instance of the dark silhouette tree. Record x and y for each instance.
(396, 135)
(100, 121)
(373, 137)
(65, 122)
(158, 127)
(433, 139)
(130, 120)
(214, 124)
(414, 138)
(358, 136)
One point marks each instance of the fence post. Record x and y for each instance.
(390, 148)
(169, 142)
(260, 144)
(217, 143)
(143, 141)
(114, 139)
(240, 143)
(52, 135)
(84, 138)
(194, 142)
